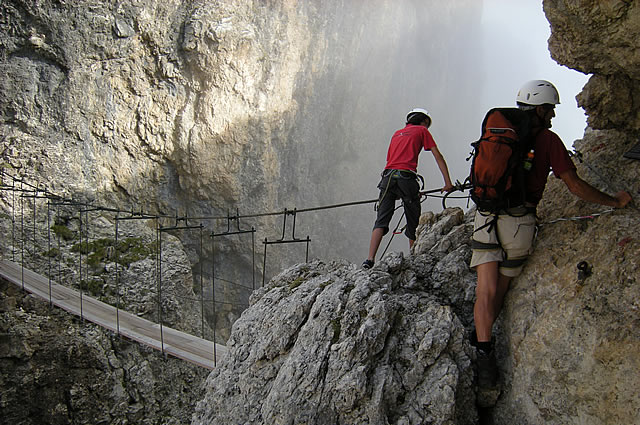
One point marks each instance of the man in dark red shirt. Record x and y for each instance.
(500, 251)
(400, 178)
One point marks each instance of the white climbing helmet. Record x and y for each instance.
(537, 92)
(418, 111)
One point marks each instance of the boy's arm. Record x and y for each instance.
(442, 165)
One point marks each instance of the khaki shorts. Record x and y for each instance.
(509, 242)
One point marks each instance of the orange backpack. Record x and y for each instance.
(500, 160)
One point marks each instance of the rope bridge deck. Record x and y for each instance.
(170, 341)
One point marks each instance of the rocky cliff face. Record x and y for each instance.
(204, 108)
(567, 336)
(193, 106)
(600, 38)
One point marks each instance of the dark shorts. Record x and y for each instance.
(399, 184)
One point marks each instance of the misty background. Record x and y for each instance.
(457, 59)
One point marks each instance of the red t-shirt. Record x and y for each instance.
(549, 154)
(406, 145)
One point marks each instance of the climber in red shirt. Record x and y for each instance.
(400, 178)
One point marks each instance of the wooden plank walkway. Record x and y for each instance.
(170, 341)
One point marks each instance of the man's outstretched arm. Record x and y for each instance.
(585, 191)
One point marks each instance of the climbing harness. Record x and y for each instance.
(390, 174)
(424, 194)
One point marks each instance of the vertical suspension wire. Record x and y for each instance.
(59, 246)
(156, 272)
(156, 269)
(160, 288)
(80, 268)
(13, 220)
(49, 249)
(253, 258)
(264, 261)
(33, 255)
(22, 233)
(213, 296)
(116, 254)
(86, 269)
(201, 283)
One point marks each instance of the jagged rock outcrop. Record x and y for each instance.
(332, 343)
(600, 38)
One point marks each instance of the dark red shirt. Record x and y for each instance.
(406, 144)
(549, 155)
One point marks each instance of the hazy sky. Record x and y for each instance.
(520, 28)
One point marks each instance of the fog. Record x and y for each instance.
(457, 59)
(521, 28)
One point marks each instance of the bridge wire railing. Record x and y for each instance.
(25, 191)
(22, 193)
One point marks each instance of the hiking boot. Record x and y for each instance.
(367, 264)
(488, 390)
(487, 369)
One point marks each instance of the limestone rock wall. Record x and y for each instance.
(332, 343)
(144, 99)
(600, 38)
(566, 338)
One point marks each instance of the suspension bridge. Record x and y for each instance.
(165, 339)
(38, 276)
